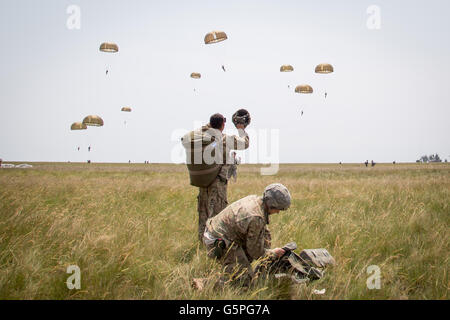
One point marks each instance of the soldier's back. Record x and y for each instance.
(232, 222)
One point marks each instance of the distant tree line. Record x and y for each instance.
(430, 158)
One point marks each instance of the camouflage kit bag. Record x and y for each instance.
(201, 174)
(309, 265)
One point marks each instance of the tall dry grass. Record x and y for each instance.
(132, 230)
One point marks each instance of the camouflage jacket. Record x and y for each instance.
(244, 222)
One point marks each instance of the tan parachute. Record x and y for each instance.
(92, 120)
(126, 109)
(109, 47)
(304, 88)
(286, 68)
(324, 68)
(215, 36)
(196, 75)
(78, 126)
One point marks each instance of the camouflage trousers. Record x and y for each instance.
(236, 266)
(211, 201)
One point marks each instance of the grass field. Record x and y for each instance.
(132, 230)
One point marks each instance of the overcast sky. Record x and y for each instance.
(388, 99)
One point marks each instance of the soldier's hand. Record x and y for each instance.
(279, 252)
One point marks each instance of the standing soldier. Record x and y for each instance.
(208, 162)
(239, 234)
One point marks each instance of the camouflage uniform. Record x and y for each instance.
(213, 199)
(243, 226)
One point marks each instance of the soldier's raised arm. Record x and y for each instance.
(234, 142)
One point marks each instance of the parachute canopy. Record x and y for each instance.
(215, 36)
(304, 88)
(286, 68)
(324, 68)
(126, 109)
(78, 126)
(196, 75)
(91, 120)
(109, 47)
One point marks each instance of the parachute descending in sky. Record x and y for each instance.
(195, 75)
(324, 68)
(287, 68)
(93, 120)
(109, 47)
(304, 88)
(125, 109)
(78, 126)
(215, 36)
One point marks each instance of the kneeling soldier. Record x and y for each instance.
(239, 234)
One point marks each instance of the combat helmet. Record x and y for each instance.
(277, 196)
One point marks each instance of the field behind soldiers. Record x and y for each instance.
(132, 230)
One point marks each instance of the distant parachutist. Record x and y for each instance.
(289, 86)
(78, 148)
(106, 72)
(223, 68)
(325, 95)
(301, 113)
(89, 149)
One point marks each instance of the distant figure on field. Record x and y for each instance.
(393, 162)
(373, 163)
(239, 234)
(232, 172)
(366, 163)
(1, 160)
